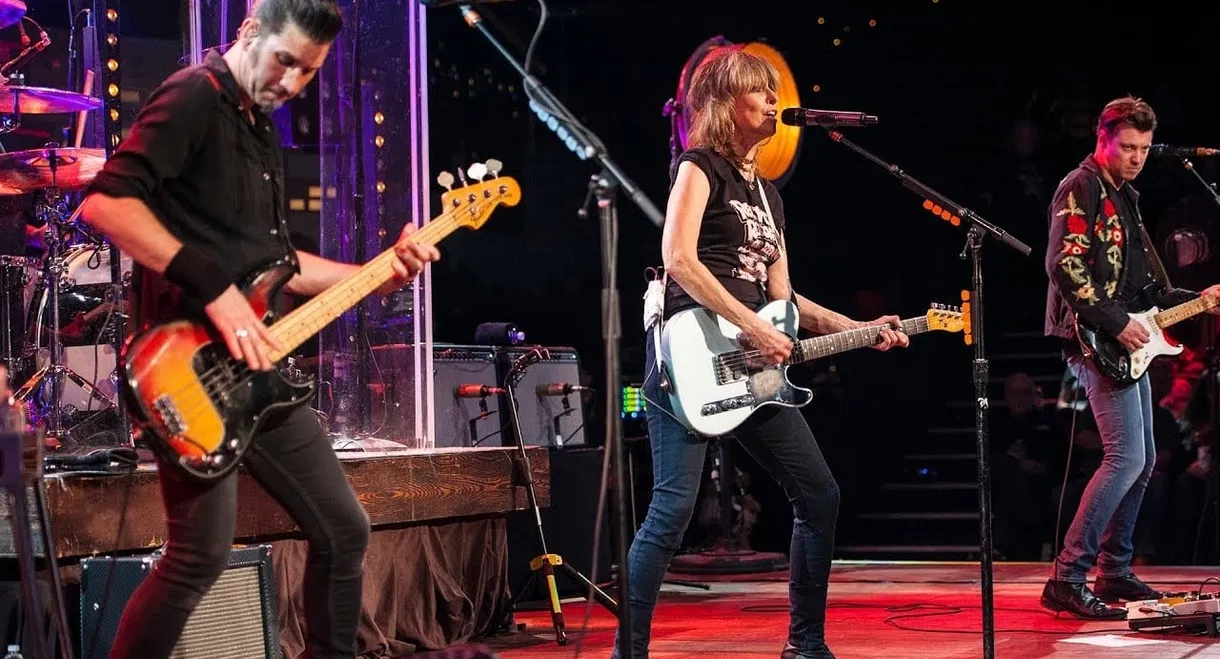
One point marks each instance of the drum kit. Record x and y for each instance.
(63, 290)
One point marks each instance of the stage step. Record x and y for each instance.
(913, 552)
(915, 527)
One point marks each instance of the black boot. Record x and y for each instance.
(807, 630)
(1127, 589)
(1074, 597)
(822, 652)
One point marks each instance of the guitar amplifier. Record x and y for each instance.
(237, 618)
(473, 419)
(547, 419)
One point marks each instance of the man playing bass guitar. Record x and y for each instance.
(1103, 268)
(195, 194)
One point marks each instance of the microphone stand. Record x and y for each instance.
(979, 229)
(1213, 386)
(603, 186)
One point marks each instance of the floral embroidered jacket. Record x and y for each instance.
(1086, 254)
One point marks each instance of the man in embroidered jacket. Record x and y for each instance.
(1102, 266)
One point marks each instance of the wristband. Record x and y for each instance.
(197, 274)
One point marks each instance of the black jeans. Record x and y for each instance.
(294, 462)
(781, 441)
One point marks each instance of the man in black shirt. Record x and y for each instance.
(1101, 265)
(195, 196)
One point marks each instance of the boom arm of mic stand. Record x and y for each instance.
(936, 197)
(1190, 166)
(558, 118)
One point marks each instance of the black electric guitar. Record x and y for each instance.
(1125, 366)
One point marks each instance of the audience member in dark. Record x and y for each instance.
(1024, 444)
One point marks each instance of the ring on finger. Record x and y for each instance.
(241, 333)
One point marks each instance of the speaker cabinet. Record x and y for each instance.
(237, 618)
(466, 421)
(557, 421)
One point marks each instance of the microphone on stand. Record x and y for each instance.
(476, 391)
(28, 52)
(1159, 150)
(560, 389)
(811, 117)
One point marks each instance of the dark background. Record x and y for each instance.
(988, 103)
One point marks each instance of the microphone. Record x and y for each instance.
(27, 53)
(810, 117)
(560, 389)
(1159, 150)
(476, 391)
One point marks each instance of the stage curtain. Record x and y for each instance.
(426, 587)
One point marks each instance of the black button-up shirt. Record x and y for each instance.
(1138, 272)
(211, 172)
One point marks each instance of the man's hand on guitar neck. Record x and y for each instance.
(1134, 335)
(1213, 292)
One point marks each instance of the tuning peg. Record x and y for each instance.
(462, 177)
(446, 180)
(477, 171)
(494, 166)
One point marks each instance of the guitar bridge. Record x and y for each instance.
(168, 415)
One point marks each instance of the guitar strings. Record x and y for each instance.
(197, 397)
(741, 358)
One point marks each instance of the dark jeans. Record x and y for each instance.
(781, 441)
(1101, 532)
(295, 464)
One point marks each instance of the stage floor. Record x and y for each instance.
(893, 610)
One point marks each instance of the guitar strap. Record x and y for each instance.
(1157, 267)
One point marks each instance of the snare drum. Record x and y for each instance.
(83, 298)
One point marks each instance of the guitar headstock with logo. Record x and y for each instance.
(471, 204)
(944, 318)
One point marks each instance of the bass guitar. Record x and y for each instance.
(1125, 366)
(199, 407)
(716, 384)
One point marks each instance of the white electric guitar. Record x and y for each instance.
(716, 384)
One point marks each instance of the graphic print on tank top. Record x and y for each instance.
(760, 245)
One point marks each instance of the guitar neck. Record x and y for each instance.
(1183, 311)
(309, 319)
(833, 344)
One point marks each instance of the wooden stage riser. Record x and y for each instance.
(93, 515)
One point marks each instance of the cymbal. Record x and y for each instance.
(23, 172)
(11, 11)
(43, 100)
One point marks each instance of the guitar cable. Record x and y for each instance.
(1067, 469)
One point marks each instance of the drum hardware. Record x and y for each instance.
(13, 279)
(52, 211)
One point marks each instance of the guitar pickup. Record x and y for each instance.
(718, 406)
(168, 414)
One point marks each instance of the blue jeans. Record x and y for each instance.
(1102, 529)
(781, 441)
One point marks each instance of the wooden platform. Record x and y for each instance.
(892, 610)
(99, 514)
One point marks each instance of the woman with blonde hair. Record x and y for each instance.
(723, 249)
